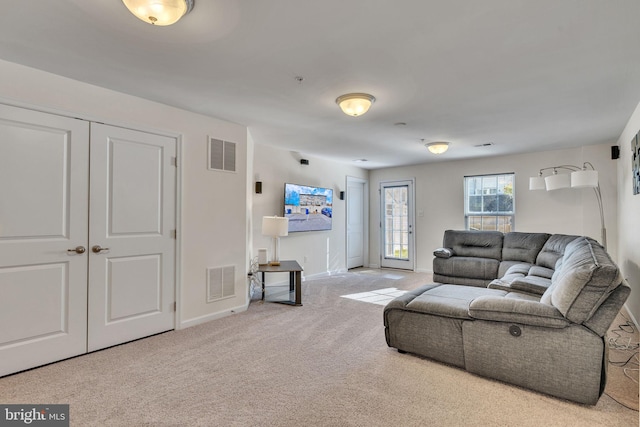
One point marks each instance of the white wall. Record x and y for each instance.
(213, 228)
(318, 252)
(440, 194)
(629, 217)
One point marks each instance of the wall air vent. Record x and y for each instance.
(222, 155)
(221, 283)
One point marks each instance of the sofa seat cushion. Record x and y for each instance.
(402, 301)
(539, 271)
(505, 266)
(450, 300)
(532, 285)
(584, 279)
(520, 269)
(503, 284)
(517, 308)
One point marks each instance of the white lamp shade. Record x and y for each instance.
(584, 178)
(275, 226)
(159, 12)
(537, 183)
(556, 182)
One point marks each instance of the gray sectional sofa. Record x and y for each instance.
(530, 309)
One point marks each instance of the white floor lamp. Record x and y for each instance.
(580, 177)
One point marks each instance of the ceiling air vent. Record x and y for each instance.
(486, 144)
(222, 155)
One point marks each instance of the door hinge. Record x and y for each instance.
(175, 305)
(174, 161)
(174, 234)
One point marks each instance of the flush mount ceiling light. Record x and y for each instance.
(355, 104)
(159, 12)
(437, 147)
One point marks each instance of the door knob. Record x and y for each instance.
(98, 249)
(77, 249)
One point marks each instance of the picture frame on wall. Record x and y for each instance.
(635, 163)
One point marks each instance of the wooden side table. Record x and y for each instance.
(295, 279)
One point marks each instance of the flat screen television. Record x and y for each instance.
(308, 208)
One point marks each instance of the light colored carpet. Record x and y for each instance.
(323, 364)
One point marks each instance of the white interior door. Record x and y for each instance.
(355, 223)
(132, 240)
(43, 218)
(397, 215)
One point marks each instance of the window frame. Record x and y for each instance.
(487, 191)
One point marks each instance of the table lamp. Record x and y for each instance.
(275, 227)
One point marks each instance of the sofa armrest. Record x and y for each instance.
(504, 309)
(444, 253)
(531, 284)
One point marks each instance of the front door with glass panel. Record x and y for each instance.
(396, 198)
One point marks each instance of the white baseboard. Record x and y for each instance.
(423, 270)
(212, 316)
(323, 274)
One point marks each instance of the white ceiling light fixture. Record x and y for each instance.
(437, 147)
(355, 104)
(159, 12)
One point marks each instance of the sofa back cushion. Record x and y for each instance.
(480, 244)
(584, 278)
(523, 246)
(553, 250)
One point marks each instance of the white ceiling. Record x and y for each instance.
(525, 75)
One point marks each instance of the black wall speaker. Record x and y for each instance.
(342, 195)
(304, 161)
(258, 187)
(615, 152)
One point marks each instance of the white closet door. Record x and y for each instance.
(43, 218)
(355, 223)
(132, 218)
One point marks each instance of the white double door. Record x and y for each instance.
(87, 247)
